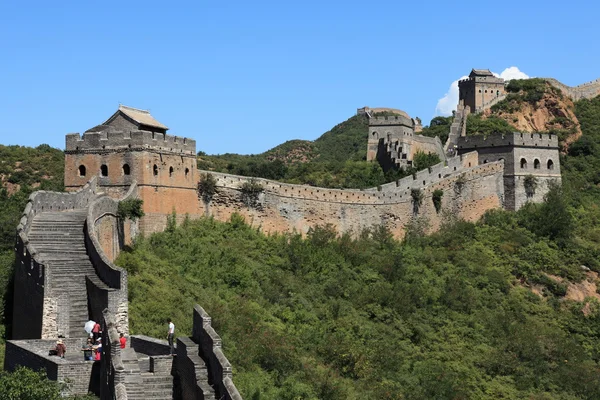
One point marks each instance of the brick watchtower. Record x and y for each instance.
(480, 88)
(524, 154)
(131, 146)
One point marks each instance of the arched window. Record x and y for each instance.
(375, 135)
(155, 170)
(485, 161)
(126, 170)
(523, 163)
(550, 164)
(536, 164)
(103, 170)
(170, 171)
(82, 170)
(187, 172)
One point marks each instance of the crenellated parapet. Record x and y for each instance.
(110, 140)
(515, 139)
(391, 120)
(586, 90)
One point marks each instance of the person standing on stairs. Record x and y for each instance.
(97, 331)
(171, 334)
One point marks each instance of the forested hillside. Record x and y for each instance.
(335, 160)
(503, 308)
(22, 170)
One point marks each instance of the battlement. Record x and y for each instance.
(390, 120)
(482, 79)
(515, 139)
(133, 140)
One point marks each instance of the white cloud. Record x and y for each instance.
(512, 73)
(448, 103)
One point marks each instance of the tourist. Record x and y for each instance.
(88, 350)
(122, 340)
(60, 348)
(97, 331)
(171, 334)
(98, 349)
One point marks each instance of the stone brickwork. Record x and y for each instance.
(480, 90)
(393, 143)
(163, 166)
(81, 376)
(35, 305)
(210, 350)
(285, 207)
(587, 90)
(523, 154)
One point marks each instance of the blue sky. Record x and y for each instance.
(245, 76)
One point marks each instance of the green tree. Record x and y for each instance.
(25, 384)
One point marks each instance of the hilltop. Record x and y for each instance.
(534, 105)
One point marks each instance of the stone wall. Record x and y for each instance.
(35, 309)
(165, 170)
(284, 207)
(478, 92)
(523, 154)
(111, 275)
(81, 376)
(129, 141)
(149, 345)
(587, 90)
(219, 368)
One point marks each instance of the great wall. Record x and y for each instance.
(67, 242)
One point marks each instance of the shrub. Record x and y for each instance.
(250, 191)
(530, 183)
(24, 383)
(437, 199)
(130, 209)
(459, 184)
(207, 187)
(417, 199)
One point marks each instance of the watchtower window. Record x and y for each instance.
(170, 171)
(126, 170)
(523, 163)
(550, 164)
(187, 172)
(536, 164)
(155, 170)
(103, 170)
(82, 170)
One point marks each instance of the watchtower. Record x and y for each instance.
(480, 88)
(531, 162)
(131, 146)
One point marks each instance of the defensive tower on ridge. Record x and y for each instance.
(480, 88)
(131, 146)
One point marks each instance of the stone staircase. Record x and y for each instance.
(191, 351)
(145, 381)
(59, 239)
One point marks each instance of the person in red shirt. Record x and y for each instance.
(123, 341)
(96, 330)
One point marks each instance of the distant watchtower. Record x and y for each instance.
(480, 88)
(132, 146)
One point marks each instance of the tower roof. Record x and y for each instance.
(142, 117)
(480, 72)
